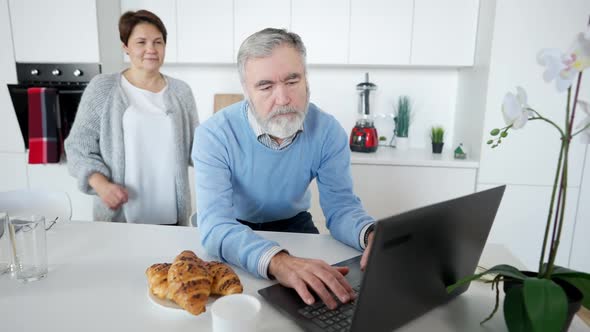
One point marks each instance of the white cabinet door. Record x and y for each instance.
(205, 31)
(255, 15)
(380, 31)
(56, 177)
(444, 32)
(54, 31)
(166, 11)
(13, 171)
(386, 190)
(324, 28)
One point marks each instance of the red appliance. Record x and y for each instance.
(363, 137)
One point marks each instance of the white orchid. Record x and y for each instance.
(516, 109)
(563, 67)
(585, 134)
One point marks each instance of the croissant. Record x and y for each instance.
(225, 280)
(189, 282)
(157, 276)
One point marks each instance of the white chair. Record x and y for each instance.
(50, 204)
(193, 220)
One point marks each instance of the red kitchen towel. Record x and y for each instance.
(43, 129)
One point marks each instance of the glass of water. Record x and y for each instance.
(5, 249)
(29, 244)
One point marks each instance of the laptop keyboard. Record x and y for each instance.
(339, 319)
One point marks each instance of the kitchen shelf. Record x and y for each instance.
(386, 155)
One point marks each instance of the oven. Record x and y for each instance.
(68, 80)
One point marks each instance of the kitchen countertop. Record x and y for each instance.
(386, 155)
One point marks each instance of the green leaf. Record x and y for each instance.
(582, 284)
(545, 303)
(490, 142)
(495, 132)
(562, 271)
(504, 134)
(515, 314)
(505, 270)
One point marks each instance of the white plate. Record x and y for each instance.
(169, 304)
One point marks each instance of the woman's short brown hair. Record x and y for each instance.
(130, 19)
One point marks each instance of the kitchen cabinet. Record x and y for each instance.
(56, 177)
(205, 31)
(324, 28)
(54, 31)
(13, 171)
(255, 15)
(166, 11)
(444, 32)
(380, 32)
(389, 182)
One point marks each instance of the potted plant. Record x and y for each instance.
(402, 122)
(437, 134)
(546, 299)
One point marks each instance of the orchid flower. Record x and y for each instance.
(585, 134)
(563, 67)
(515, 108)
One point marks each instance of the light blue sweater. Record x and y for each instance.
(237, 177)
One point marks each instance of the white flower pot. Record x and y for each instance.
(402, 143)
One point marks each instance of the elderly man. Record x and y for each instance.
(254, 161)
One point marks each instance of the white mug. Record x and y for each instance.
(236, 312)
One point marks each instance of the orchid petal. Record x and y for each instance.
(562, 84)
(521, 96)
(520, 121)
(547, 54)
(513, 109)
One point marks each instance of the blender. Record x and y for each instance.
(363, 137)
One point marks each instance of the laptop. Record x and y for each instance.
(415, 256)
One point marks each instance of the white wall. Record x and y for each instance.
(433, 92)
(472, 86)
(10, 136)
(527, 159)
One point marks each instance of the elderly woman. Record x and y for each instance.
(130, 143)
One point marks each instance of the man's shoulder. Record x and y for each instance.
(228, 118)
(319, 121)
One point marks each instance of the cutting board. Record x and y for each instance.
(221, 100)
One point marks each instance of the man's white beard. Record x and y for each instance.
(281, 126)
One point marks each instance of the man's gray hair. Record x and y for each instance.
(262, 43)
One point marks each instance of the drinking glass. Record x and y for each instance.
(29, 244)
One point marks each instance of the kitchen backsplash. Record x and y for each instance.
(433, 93)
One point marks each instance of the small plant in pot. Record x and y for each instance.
(402, 122)
(437, 135)
(546, 299)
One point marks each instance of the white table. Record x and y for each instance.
(96, 282)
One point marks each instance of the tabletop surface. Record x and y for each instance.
(97, 282)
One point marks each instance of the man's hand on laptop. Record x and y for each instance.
(365, 257)
(299, 273)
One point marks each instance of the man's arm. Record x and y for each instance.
(221, 234)
(345, 216)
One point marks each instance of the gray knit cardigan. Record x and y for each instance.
(95, 143)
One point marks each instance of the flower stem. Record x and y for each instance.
(581, 130)
(569, 122)
(539, 117)
(550, 214)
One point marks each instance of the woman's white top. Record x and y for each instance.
(150, 160)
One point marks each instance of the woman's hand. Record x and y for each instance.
(112, 194)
